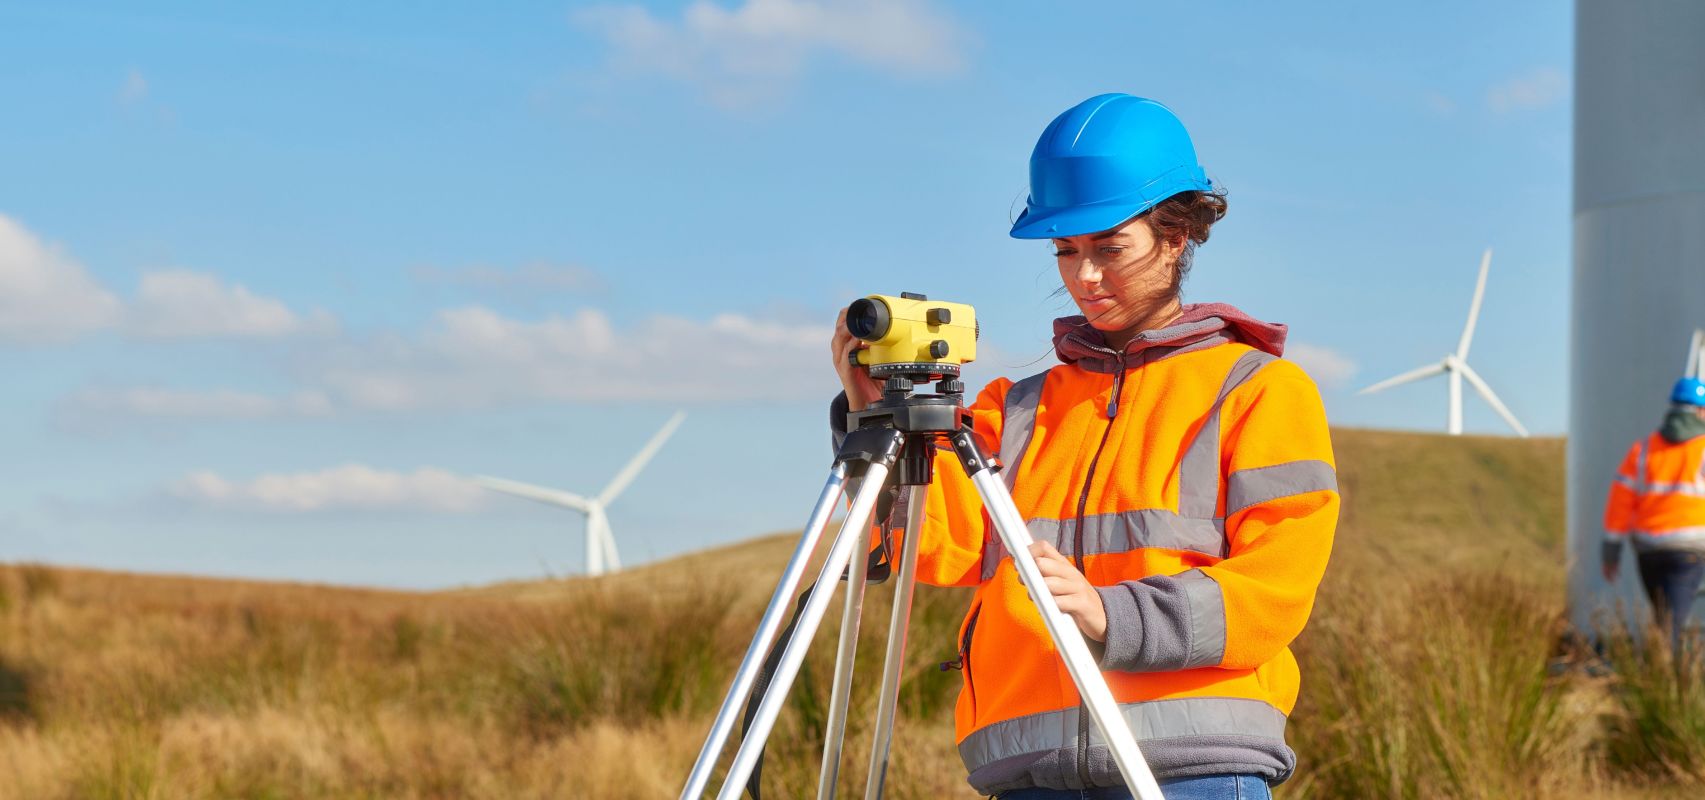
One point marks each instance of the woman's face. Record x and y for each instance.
(1118, 277)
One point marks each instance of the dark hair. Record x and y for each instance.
(1186, 217)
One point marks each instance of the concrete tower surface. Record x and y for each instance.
(1639, 254)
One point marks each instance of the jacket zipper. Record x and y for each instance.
(1077, 555)
(964, 660)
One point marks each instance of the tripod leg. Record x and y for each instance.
(773, 619)
(897, 627)
(836, 731)
(1103, 709)
(855, 531)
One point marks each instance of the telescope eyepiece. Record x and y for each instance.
(868, 319)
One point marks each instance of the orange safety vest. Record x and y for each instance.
(1192, 476)
(1658, 496)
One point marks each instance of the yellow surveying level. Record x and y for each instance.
(912, 333)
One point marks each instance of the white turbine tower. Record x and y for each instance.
(600, 545)
(1456, 366)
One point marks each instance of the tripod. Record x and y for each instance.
(895, 437)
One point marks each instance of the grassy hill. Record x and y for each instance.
(1424, 669)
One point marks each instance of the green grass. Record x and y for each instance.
(1660, 732)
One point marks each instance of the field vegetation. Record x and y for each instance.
(1430, 670)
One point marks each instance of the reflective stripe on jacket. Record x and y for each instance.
(1192, 478)
(1658, 496)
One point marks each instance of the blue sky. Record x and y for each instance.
(272, 279)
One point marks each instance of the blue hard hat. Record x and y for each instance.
(1688, 391)
(1104, 161)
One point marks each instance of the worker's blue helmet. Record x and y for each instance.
(1104, 161)
(1688, 391)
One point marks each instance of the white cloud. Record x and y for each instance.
(1537, 88)
(105, 404)
(1326, 366)
(181, 304)
(44, 295)
(755, 51)
(350, 487)
(134, 90)
(474, 357)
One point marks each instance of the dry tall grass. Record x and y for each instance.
(1424, 670)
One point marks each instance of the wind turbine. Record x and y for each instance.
(600, 545)
(1455, 365)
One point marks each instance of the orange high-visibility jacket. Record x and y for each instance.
(1658, 496)
(1192, 478)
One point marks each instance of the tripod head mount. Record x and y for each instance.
(918, 420)
(903, 409)
(900, 386)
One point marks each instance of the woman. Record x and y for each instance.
(1176, 474)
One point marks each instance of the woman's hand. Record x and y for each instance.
(1073, 592)
(862, 390)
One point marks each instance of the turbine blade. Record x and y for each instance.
(555, 497)
(633, 467)
(1491, 399)
(1474, 307)
(1412, 375)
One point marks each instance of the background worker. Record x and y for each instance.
(1658, 501)
(1176, 474)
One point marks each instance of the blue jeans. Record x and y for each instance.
(1671, 579)
(1207, 787)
